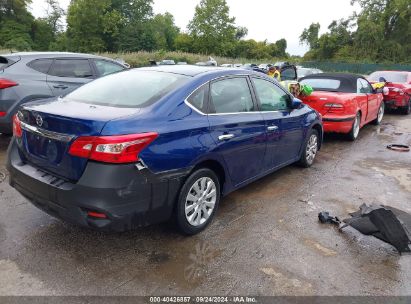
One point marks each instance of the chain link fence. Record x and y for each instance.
(358, 68)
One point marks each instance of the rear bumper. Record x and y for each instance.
(130, 198)
(6, 126)
(338, 124)
(397, 102)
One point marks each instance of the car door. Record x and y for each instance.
(289, 73)
(67, 74)
(284, 127)
(372, 98)
(237, 127)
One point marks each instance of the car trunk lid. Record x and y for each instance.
(319, 99)
(50, 127)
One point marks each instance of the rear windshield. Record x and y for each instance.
(398, 77)
(130, 89)
(323, 84)
(5, 62)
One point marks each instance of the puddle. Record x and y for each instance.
(286, 284)
(320, 248)
(14, 282)
(397, 170)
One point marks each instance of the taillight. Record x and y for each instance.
(17, 131)
(112, 149)
(398, 91)
(336, 106)
(2, 114)
(5, 83)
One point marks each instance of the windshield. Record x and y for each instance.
(323, 84)
(398, 77)
(130, 89)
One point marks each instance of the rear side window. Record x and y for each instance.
(105, 67)
(231, 96)
(5, 62)
(41, 65)
(73, 68)
(323, 84)
(131, 89)
(198, 99)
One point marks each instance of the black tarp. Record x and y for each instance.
(386, 223)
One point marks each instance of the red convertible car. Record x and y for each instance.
(399, 86)
(347, 102)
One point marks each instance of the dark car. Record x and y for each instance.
(26, 77)
(140, 146)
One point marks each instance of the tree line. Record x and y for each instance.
(380, 33)
(128, 26)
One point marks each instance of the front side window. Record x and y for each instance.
(105, 67)
(73, 68)
(271, 97)
(231, 96)
(363, 87)
(131, 89)
(288, 74)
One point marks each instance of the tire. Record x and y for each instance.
(310, 149)
(193, 198)
(355, 131)
(407, 109)
(380, 115)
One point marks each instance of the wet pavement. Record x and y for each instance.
(265, 239)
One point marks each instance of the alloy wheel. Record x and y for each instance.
(356, 126)
(381, 113)
(312, 149)
(200, 201)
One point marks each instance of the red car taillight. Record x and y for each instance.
(112, 149)
(334, 107)
(17, 130)
(5, 83)
(2, 114)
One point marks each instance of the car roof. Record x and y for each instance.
(51, 55)
(348, 81)
(193, 70)
(341, 76)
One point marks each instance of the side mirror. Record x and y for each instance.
(296, 103)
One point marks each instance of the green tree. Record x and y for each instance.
(85, 25)
(310, 35)
(165, 31)
(212, 28)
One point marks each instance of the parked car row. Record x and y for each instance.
(146, 145)
(26, 77)
(398, 84)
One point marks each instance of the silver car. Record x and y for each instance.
(26, 77)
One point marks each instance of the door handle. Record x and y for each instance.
(60, 86)
(226, 137)
(272, 128)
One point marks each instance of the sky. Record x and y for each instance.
(265, 19)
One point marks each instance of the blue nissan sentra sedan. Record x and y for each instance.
(146, 145)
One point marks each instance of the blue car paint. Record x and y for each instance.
(187, 138)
